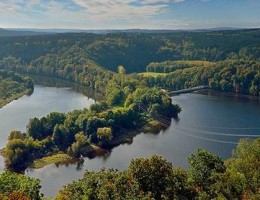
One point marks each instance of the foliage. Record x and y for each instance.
(244, 165)
(190, 58)
(207, 177)
(151, 74)
(52, 159)
(146, 178)
(156, 176)
(104, 134)
(42, 128)
(76, 148)
(16, 185)
(153, 174)
(239, 76)
(13, 85)
(171, 66)
(103, 185)
(68, 55)
(205, 169)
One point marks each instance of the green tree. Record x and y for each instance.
(17, 185)
(121, 72)
(103, 185)
(61, 137)
(16, 154)
(115, 97)
(205, 170)
(244, 164)
(75, 149)
(104, 134)
(154, 175)
(35, 129)
(16, 135)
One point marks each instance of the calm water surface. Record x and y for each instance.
(44, 100)
(215, 123)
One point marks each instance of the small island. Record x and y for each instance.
(129, 108)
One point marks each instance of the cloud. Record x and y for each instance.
(153, 2)
(87, 14)
(118, 8)
(122, 14)
(138, 12)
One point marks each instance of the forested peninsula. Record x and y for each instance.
(130, 107)
(13, 86)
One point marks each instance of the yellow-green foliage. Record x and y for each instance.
(171, 66)
(105, 133)
(239, 76)
(152, 74)
(19, 187)
(13, 86)
(153, 127)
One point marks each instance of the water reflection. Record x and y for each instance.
(44, 100)
(60, 83)
(212, 122)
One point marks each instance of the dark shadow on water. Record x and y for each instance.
(60, 83)
(233, 96)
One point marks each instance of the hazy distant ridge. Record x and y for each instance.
(31, 31)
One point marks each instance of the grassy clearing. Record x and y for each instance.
(52, 159)
(152, 74)
(193, 62)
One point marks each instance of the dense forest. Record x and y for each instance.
(132, 50)
(13, 86)
(89, 58)
(234, 75)
(207, 177)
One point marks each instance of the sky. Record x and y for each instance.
(129, 14)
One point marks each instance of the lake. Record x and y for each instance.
(15, 115)
(213, 122)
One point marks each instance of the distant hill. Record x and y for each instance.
(133, 49)
(32, 31)
(19, 32)
(95, 31)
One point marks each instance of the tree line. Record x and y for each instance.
(239, 76)
(207, 177)
(13, 85)
(171, 66)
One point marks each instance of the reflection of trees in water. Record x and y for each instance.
(60, 83)
(233, 96)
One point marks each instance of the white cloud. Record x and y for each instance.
(117, 8)
(94, 14)
(161, 1)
